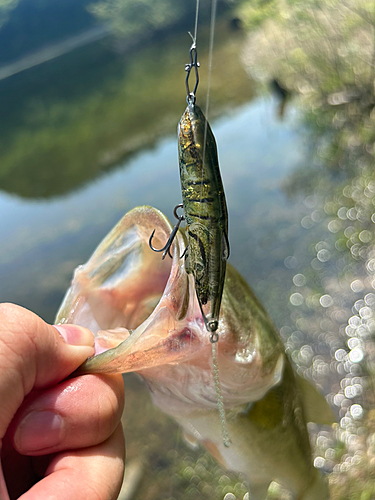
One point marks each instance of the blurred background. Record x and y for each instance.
(90, 96)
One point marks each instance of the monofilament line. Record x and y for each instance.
(219, 396)
(210, 52)
(196, 20)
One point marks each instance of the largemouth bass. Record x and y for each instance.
(205, 211)
(146, 317)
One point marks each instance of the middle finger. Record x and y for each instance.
(76, 413)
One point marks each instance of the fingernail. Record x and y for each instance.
(39, 430)
(76, 335)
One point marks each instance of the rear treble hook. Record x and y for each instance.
(188, 67)
(166, 248)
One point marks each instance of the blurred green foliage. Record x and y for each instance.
(323, 53)
(254, 13)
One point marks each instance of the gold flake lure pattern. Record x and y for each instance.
(205, 211)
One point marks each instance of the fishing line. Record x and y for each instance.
(210, 52)
(219, 396)
(196, 20)
(214, 338)
(214, 335)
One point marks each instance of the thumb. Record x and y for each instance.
(34, 354)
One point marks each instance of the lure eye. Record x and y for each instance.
(213, 325)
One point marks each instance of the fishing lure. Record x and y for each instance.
(204, 204)
(206, 217)
(205, 209)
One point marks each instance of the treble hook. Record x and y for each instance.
(166, 248)
(188, 67)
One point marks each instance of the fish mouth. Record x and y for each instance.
(142, 309)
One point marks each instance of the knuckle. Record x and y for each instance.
(18, 346)
(9, 313)
(17, 320)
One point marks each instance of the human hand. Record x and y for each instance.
(59, 439)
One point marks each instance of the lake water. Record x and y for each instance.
(44, 238)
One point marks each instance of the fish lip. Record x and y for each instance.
(171, 333)
(145, 349)
(90, 278)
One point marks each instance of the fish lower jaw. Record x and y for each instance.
(192, 392)
(187, 386)
(177, 406)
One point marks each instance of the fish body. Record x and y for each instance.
(205, 211)
(146, 317)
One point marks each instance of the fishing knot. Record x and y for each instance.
(190, 99)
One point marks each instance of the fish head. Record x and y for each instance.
(146, 318)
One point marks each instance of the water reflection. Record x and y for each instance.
(70, 128)
(42, 239)
(5, 9)
(134, 19)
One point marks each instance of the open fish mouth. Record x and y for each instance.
(142, 309)
(146, 318)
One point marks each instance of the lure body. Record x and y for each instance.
(205, 210)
